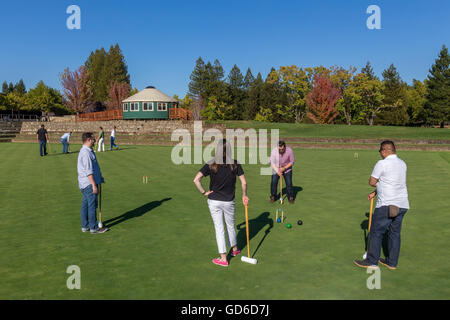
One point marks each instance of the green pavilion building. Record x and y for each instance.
(149, 103)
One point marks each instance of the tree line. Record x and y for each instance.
(287, 94)
(321, 95)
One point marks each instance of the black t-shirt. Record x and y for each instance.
(42, 132)
(223, 183)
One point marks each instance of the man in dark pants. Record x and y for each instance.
(282, 159)
(42, 137)
(389, 177)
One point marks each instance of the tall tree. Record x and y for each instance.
(248, 79)
(5, 87)
(77, 90)
(368, 70)
(343, 78)
(437, 105)
(118, 91)
(20, 88)
(236, 92)
(198, 78)
(294, 83)
(95, 65)
(254, 101)
(106, 67)
(322, 100)
(364, 98)
(395, 98)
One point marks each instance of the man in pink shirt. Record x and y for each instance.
(282, 159)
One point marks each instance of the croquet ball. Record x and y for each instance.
(288, 226)
(279, 220)
(300, 222)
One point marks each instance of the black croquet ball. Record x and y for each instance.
(299, 222)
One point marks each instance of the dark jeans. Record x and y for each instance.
(89, 209)
(42, 147)
(380, 223)
(287, 179)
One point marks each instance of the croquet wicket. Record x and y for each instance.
(144, 179)
(282, 215)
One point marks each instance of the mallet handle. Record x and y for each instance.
(246, 228)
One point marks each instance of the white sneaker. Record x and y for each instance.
(84, 229)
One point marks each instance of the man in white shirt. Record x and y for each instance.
(65, 139)
(389, 177)
(113, 138)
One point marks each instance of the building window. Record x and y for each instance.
(134, 106)
(147, 106)
(162, 106)
(125, 107)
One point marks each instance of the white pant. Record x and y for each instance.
(101, 143)
(220, 210)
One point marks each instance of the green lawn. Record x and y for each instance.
(162, 239)
(343, 131)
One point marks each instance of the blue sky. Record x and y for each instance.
(161, 40)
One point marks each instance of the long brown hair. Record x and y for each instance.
(224, 149)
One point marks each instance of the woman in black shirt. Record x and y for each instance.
(222, 186)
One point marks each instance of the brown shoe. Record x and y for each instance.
(291, 200)
(384, 263)
(272, 199)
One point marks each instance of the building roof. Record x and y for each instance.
(150, 94)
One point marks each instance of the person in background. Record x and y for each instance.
(282, 159)
(101, 140)
(42, 138)
(113, 138)
(65, 140)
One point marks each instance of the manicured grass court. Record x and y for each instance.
(162, 239)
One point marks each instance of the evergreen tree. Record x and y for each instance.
(395, 99)
(20, 88)
(218, 71)
(437, 105)
(5, 87)
(236, 92)
(105, 68)
(368, 70)
(254, 100)
(198, 78)
(10, 87)
(248, 79)
(95, 65)
(235, 78)
(115, 68)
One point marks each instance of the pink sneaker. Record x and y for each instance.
(220, 262)
(235, 253)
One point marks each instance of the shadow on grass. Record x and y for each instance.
(255, 226)
(296, 189)
(138, 212)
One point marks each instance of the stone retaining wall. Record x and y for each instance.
(122, 126)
